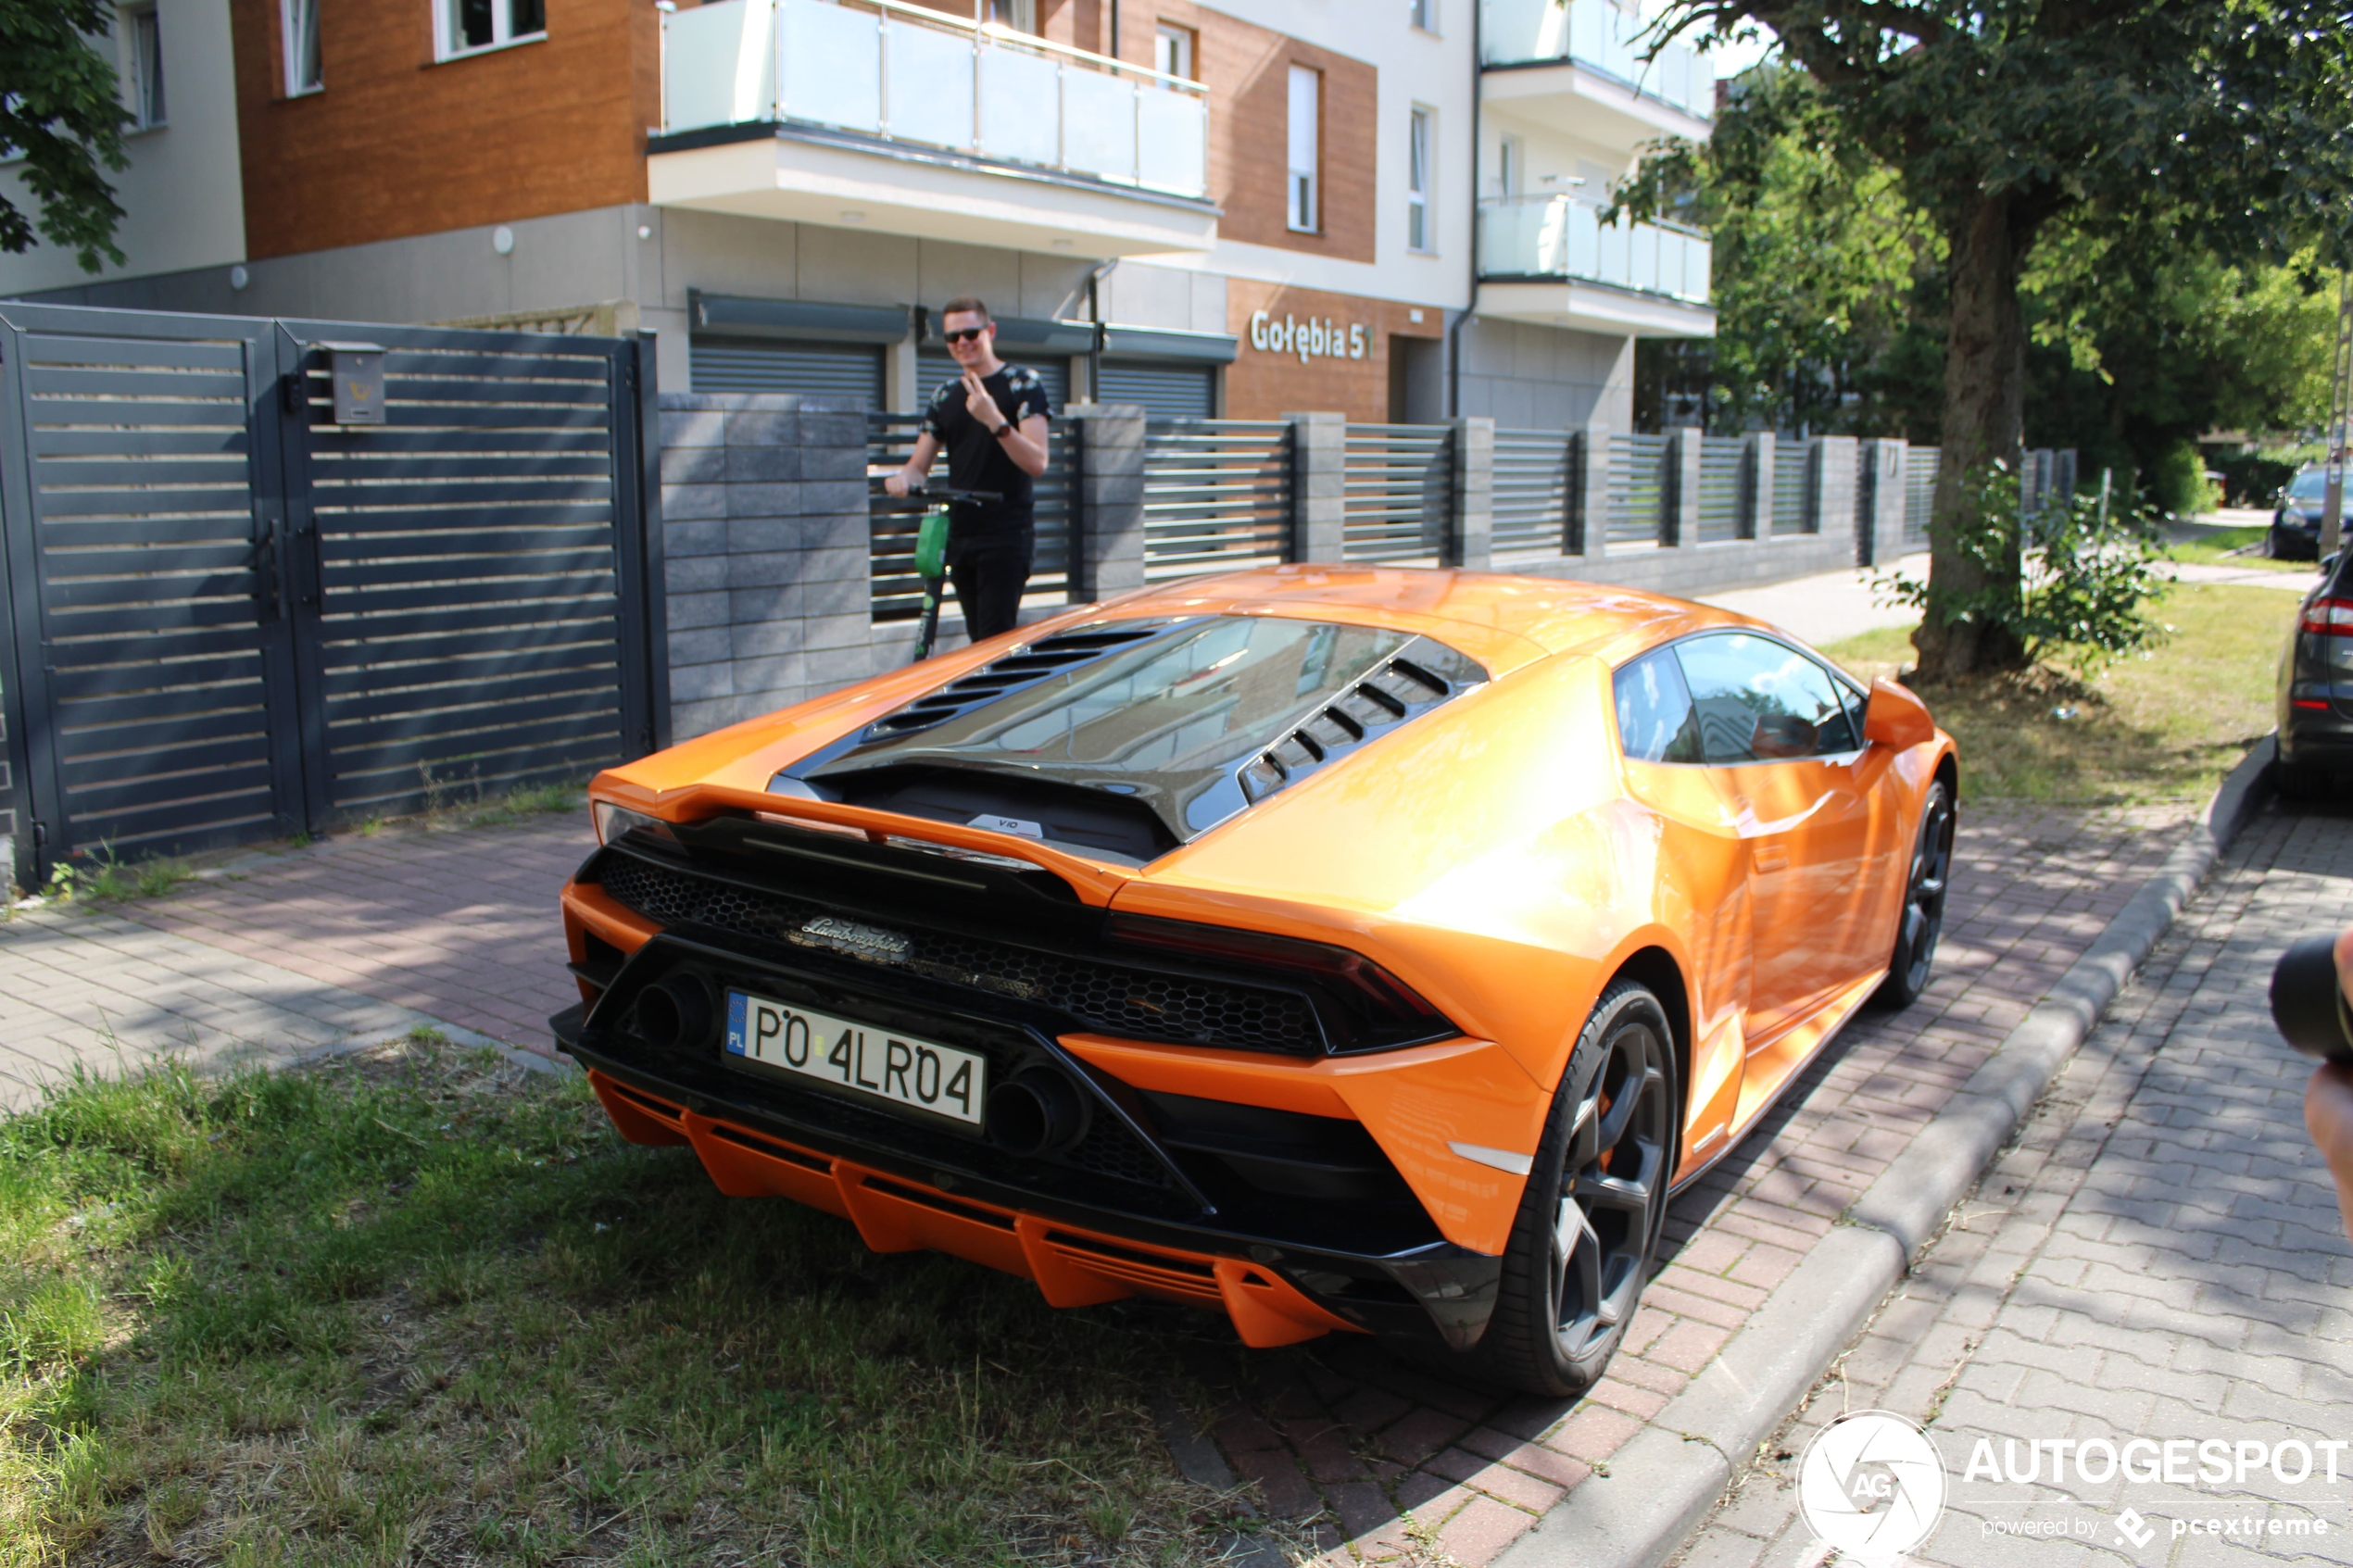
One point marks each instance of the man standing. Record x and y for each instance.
(992, 422)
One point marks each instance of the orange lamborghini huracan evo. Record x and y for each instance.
(1345, 949)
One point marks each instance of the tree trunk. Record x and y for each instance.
(1985, 417)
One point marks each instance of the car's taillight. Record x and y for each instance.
(1361, 1005)
(2329, 617)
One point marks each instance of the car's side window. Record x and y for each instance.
(1655, 722)
(1761, 701)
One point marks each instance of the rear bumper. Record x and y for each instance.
(2316, 737)
(1280, 1274)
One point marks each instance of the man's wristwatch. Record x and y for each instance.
(1000, 431)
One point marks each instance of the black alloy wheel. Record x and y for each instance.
(1596, 1200)
(1924, 893)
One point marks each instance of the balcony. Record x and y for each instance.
(1580, 66)
(1551, 260)
(874, 113)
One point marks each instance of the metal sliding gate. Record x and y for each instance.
(227, 617)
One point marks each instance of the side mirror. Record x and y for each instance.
(1896, 718)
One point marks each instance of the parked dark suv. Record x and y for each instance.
(2316, 689)
(2295, 520)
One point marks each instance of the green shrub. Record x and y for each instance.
(2177, 483)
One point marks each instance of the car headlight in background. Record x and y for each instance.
(613, 821)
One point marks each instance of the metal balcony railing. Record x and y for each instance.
(900, 73)
(1563, 236)
(1601, 37)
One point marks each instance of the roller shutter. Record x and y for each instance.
(1167, 392)
(831, 370)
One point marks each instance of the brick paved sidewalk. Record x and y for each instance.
(1384, 1462)
(290, 950)
(2158, 1255)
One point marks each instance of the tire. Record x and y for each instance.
(1926, 886)
(1588, 1221)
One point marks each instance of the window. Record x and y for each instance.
(1655, 722)
(1511, 167)
(1417, 174)
(1424, 14)
(1019, 15)
(298, 26)
(143, 65)
(469, 25)
(1306, 146)
(1173, 50)
(1762, 701)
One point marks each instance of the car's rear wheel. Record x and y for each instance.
(1925, 888)
(1590, 1219)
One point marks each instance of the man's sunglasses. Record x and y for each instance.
(965, 335)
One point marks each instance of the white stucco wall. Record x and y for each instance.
(182, 196)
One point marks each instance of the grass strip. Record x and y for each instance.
(2165, 724)
(413, 1305)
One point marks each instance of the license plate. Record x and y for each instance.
(876, 1063)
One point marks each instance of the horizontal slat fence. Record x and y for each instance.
(1793, 490)
(1637, 490)
(466, 554)
(1531, 507)
(1723, 489)
(153, 585)
(1919, 491)
(1397, 483)
(1216, 496)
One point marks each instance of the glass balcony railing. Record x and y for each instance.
(906, 74)
(1604, 37)
(1538, 237)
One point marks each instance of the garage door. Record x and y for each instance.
(1167, 392)
(831, 370)
(933, 366)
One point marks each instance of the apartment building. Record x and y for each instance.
(1389, 208)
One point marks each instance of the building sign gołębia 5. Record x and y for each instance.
(1310, 339)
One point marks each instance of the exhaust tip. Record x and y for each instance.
(1035, 1112)
(676, 1012)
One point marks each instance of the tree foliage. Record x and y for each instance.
(2225, 125)
(61, 112)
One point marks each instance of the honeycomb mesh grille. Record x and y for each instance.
(1134, 1003)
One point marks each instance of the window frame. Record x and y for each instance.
(1421, 169)
(289, 32)
(1187, 53)
(1853, 696)
(140, 38)
(1423, 15)
(447, 47)
(1303, 187)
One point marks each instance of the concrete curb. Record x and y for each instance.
(1664, 1481)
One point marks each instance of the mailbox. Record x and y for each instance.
(356, 372)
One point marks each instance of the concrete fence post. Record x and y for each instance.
(1589, 495)
(1831, 490)
(1679, 497)
(1318, 462)
(1470, 521)
(1887, 502)
(1760, 520)
(1107, 516)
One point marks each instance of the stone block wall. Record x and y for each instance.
(765, 534)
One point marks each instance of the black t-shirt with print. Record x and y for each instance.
(977, 460)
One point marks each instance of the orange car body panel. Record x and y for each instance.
(1774, 893)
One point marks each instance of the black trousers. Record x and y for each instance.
(988, 580)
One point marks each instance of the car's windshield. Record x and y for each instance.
(1167, 719)
(2309, 486)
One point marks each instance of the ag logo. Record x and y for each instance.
(1872, 1485)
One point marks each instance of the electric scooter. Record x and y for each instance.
(931, 550)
